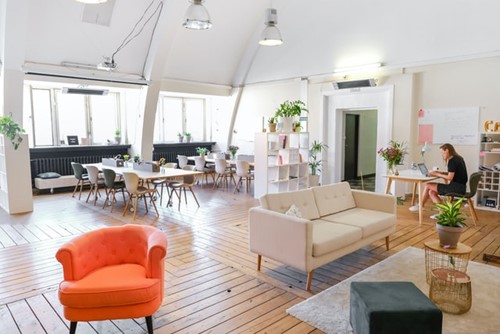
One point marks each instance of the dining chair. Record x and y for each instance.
(81, 176)
(224, 174)
(162, 182)
(183, 160)
(95, 181)
(200, 163)
(243, 172)
(136, 191)
(112, 187)
(188, 182)
(473, 184)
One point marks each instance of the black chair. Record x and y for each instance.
(81, 176)
(473, 183)
(112, 187)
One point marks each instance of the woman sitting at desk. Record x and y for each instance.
(456, 177)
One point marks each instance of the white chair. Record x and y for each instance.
(183, 161)
(95, 181)
(161, 182)
(243, 172)
(187, 182)
(246, 157)
(224, 174)
(136, 191)
(199, 163)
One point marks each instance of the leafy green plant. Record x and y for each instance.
(137, 158)
(291, 109)
(187, 134)
(272, 120)
(201, 150)
(118, 133)
(315, 152)
(12, 130)
(450, 213)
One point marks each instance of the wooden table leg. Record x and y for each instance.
(420, 203)
(388, 187)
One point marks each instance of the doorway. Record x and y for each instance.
(351, 146)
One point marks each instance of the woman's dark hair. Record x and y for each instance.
(450, 149)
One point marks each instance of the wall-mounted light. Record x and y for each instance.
(425, 148)
(271, 35)
(356, 69)
(197, 16)
(92, 1)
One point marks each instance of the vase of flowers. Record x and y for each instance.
(233, 149)
(394, 155)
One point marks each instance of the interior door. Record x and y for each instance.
(351, 142)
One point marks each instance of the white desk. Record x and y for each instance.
(414, 176)
(147, 176)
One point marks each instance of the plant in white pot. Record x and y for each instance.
(450, 223)
(288, 111)
(315, 161)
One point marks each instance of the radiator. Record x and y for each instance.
(60, 165)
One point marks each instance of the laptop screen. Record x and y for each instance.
(423, 169)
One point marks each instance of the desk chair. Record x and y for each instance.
(113, 273)
(81, 176)
(187, 182)
(200, 162)
(95, 181)
(224, 174)
(243, 172)
(162, 182)
(473, 183)
(183, 161)
(112, 187)
(136, 191)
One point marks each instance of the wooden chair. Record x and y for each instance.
(473, 183)
(183, 160)
(224, 174)
(243, 172)
(162, 182)
(200, 162)
(136, 191)
(188, 182)
(113, 273)
(112, 187)
(81, 176)
(95, 181)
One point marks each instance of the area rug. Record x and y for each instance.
(329, 310)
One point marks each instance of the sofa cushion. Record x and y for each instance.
(370, 221)
(281, 202)
(333, 198)
(328, 237)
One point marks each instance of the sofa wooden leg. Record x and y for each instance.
(149, 324)
(72, 327)
(309, 280)
(387, 242)
(259, 261)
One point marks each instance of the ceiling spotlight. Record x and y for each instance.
(92, 1)
(271, 35)
(197, 16)
(107, 65)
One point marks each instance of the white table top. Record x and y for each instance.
(167, 172)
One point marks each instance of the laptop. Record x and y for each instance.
(423, 169)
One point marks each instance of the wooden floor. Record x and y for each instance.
(211, 283)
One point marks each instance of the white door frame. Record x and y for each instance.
(334, 105)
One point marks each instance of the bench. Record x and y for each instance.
(60, 182)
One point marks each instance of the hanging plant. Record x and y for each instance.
(12, 130)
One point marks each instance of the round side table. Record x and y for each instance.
(449, 258)
(450, 290)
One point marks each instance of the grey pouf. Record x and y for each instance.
(392, 308)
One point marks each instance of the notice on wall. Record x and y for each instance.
(457, 126)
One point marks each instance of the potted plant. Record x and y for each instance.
(202, 151)
(12, 130)
(315, 161)
(118, 136)
(297, 126)
(233, 149)
(181, 137)
(287, 111)
(450, 223)
(272, 122)
(188, 137)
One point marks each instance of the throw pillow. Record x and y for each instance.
(293, 211)
(49, 175)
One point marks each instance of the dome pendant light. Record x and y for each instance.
(197, 16)
(271, 35)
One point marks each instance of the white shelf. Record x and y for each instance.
(488, 190)
(281, 162)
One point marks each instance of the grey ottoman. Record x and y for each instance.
(392, 307)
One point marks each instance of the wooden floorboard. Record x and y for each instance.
(211, 281)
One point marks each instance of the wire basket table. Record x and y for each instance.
(449, 258)
(450, 290)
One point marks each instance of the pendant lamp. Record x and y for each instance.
(271, 35)
(197, 17)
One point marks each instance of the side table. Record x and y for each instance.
(448, 258)
(450, 290)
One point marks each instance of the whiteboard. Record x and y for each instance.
(457, 126)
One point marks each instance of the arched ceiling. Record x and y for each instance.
(319, 35)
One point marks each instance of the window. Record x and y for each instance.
(178, 115)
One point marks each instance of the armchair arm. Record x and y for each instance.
(157, 250)
(374, 201)
(286, 239)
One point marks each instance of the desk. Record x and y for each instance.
(147, 176)
(410, 175)
(229, 162)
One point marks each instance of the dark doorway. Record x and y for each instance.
(351, 146)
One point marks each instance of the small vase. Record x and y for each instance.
(233, 155)
(395, 171)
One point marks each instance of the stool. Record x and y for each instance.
(392, 307)
(451, 290)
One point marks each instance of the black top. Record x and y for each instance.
(457, 165)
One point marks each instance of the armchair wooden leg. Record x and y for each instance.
(309, 280)
(259, 261)
(387, 242)
(72, 327)
(149, 324)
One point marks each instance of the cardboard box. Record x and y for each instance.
(112, 162)
(148, 166)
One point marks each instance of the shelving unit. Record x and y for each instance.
(281, 162)
(15, 177)
(488, 190)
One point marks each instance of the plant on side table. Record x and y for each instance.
(450, 222)
(12, 130)
(315, 161)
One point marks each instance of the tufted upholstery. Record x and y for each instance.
(281, 202)
(333, 198)
(113, 273)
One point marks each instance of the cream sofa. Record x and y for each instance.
(335, 221)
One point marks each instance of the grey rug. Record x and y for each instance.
(329, 310)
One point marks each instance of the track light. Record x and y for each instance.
(197, 17)
(271, 35)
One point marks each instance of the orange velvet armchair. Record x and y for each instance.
(113, 273)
